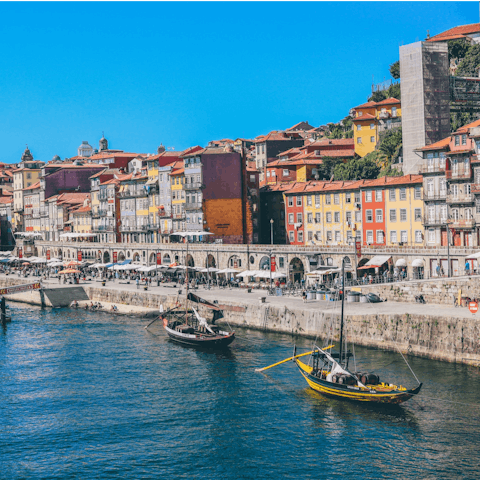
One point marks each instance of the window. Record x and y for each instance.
(393, 236)
(393, 215)
(268, 173)
(358, 216)
(403, 236)
(369, 236)
(418, 214)
(291, 236)
(348, 217)
(318, 218)
(391, 194)
(310, 218)
(273, 173)
(417, 193)
(468, 189)
(357, 197)
(309, 200)
(379, 215)
(368, 196)
(329, 236)
(418, 236)
(457, 140)
(359, 114)
(349, 236)
(281, 262)
(336, 199)
(328, 217)
(369, 216)
(299, 218)
(359, 140)
(403, 193)
(372, 126)
(394, 112)
(348, 198)
(468, 214)
(317, 200)
(337, 217)
(290, 201)
(328, 199)
(378, 195)
(286, 172)
(359, 127)
(318, 235)
(252, 178)
(464, 139)
(372, 139)
(290, 218)
(379, 236)
(337, 236)
(299, 201)
(403, 214)
(310, 236)
(431, 236)
(300, 236)
(455, 214)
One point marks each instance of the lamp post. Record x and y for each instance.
(271, 231)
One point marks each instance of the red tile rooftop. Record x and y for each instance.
(440, 145)
(456, 32)
(365, 116)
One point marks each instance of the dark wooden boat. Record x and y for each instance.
(328, 374)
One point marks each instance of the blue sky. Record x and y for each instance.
(182, 74)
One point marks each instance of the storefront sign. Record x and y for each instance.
(358, 248)
(114, 257)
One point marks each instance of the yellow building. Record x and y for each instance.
(371, 120)
(332, 213)
(31, 212)
(82, 218)
(177, 179)
(404, 210)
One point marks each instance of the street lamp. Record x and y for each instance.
(271, 231)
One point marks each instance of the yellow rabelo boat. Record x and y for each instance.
(329, 375)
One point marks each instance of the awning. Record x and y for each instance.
(401, 262)
(418, 262)
(375, 262)
(474, 256)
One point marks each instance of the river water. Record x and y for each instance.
(96, 396)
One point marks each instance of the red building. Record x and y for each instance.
(294, 214)
(373, 212)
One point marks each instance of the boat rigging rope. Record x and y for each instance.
(413, 373)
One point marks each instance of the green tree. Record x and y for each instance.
(356, 169)
(378, 96)
(457, 48)
(470, 64)
(394, 91)
(391, 144)
(389, 171)
(327, 168)
(395, 70)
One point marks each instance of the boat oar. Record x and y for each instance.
(159, 317)
(288, 359)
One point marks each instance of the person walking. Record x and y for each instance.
(304, 296)
(438, 270)
(137, 281)
(467, 268)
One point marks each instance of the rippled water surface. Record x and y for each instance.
(90, 395)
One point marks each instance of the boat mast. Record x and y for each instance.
(186, 284)
(342, 286)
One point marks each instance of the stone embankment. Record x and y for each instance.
(434, 331)
(439, 291)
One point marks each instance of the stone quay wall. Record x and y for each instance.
(438, 291)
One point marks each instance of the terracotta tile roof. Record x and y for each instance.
(389, 101)
(334, 141)
(6, 200)
(365, 116)
(291, 151)
(71, 198)
(178, 171)
(366, 105)
(274, 135)
(115, 181)
(440, 145)
(277, 187)
(457, 152)
(33, 187)
(465, 128)
(300, 126)
(84, 209)
(387, 181)
(456, 32)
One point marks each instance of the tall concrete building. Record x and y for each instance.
(424, 71)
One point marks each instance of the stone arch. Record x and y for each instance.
(189, 262)
(264, 263)
(121, 257)
(362, 262)
(136, 257)
(128, 254)
(211, 263)
(151, 259)
(329, 261)
(296, 269)
(106, 257)
(166, 259)
(347, 261)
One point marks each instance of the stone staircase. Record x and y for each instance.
(63, 297)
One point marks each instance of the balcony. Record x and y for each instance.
(434, 220)
(459, 174)
(152, 226)
(435, 167)
(104, 228)
(383, 115)
(134, 193)
(460, 198)
(431, 196)
(128, 228)
(461, 223)
(193, 206)
(193, 186)
(179, 216)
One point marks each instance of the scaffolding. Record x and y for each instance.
(465, 94)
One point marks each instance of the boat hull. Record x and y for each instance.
(354, 393)
(200, 340)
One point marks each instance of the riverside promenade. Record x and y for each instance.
(437, 331)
